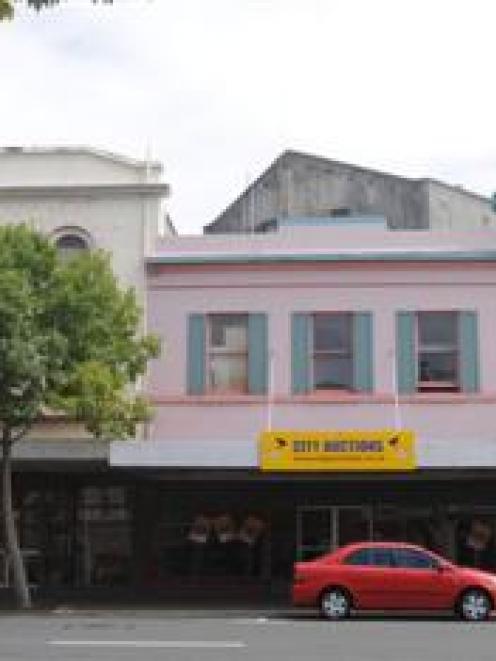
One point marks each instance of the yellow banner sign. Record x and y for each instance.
(355, 450)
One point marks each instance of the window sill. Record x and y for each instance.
(316, 398)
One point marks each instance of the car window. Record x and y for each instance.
(411, 559)
(370, 557)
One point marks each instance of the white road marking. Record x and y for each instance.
(177, 644)
(258, 620)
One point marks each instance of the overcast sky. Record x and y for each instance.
(218, 88)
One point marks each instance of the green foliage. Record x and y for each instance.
(6, 10)
(68, 338)
(7, 6)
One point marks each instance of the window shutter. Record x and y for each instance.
(300, 352)
(363, 352)
(257, 354)
(468, 336)
(406, 360)
(196, 354)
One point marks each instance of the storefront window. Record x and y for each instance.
(475, 540)
(221, 545)
(104, 536)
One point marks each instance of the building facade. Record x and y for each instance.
(83, 199)
(298, 185)
(341, 352)
(324, 382)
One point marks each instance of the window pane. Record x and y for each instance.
(438, 367)
(229, 332)
(71, 242)
(437, 328)
(332, 332)
(372, 557)
(228, 373)
(382, 557)
(332, 372)
(411, 559)
(361, 558)
(316, 530)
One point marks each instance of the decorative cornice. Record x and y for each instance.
(350, 399)
(85, 190)
(190, 259)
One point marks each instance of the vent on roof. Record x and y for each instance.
(340, 211)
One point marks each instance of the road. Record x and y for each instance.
(179, 636)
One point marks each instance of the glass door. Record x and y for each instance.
(315, 532)
(323, 529)
(354, 524)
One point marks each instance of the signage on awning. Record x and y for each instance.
(353, 450)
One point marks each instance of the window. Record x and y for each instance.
(227, 359)
(370, 557)
(411, 559)
(332, 351)
(71, 241)
(437, 350)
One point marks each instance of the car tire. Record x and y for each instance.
(474, 605)
(335, 604)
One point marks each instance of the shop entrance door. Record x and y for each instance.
(322, 529)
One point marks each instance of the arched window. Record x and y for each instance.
(70, 241)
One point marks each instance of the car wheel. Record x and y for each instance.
(474, 605)
(335, 604)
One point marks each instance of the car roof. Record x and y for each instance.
(357, 546)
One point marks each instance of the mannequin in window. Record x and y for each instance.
(250, 536)
(198, 538)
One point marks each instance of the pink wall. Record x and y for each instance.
(380, 288)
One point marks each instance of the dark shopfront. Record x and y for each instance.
(231, 535)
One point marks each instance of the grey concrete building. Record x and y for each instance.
(301, 185)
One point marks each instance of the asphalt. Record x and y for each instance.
(170, 634)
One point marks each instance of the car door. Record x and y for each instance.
(422, 581)
(370, 576)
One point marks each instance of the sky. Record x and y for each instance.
(217, 89)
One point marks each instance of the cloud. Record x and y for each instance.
(217, 89)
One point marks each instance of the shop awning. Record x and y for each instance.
(446, 453)
(197, 453)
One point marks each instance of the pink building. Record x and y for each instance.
(370, 356)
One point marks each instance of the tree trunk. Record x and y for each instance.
(21, 590)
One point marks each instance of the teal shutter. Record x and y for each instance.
(258, 354)
(363, 352)
(300, 352)
(196, 354)
(468, 338)
(406, 360)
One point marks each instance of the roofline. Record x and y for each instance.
(161, 189)
(316, 257)
(288, 153)
(248, 188)
(83, 149)
(367, 170)
(457, 189)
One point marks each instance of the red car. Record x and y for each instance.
(391, 576)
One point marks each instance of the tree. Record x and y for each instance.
(69, 342)
(7, 6)
(6, 9)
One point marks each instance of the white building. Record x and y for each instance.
(83, 197)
